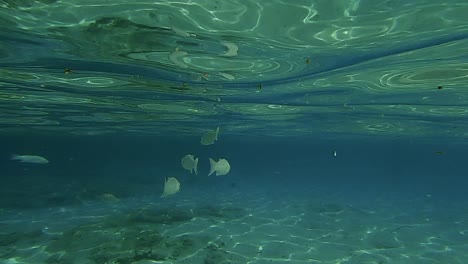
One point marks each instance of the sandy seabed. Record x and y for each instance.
(236, 228)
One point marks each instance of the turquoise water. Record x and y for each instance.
(344, 124)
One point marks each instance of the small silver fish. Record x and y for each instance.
(190, 163)
(210, 137)
(221, 167)
(30, 159)
(171, 186)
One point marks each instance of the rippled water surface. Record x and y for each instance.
(340, 127)
(320, 68)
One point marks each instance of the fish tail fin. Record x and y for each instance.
(14, 157)
(212, 166)
(195, 168)
(164, 194)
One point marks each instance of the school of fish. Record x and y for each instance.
(190, 163)
(171, 184)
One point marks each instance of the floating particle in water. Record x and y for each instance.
(260, 249)
(176, 57)
(231, 49)
(227, 76)
(206, 76)
(67, 71)
(182, 32)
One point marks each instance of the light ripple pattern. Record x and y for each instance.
(333, 67)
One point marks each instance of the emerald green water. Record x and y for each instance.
(344, 123)
(325, 68)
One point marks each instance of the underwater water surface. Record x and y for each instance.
(234, 131)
